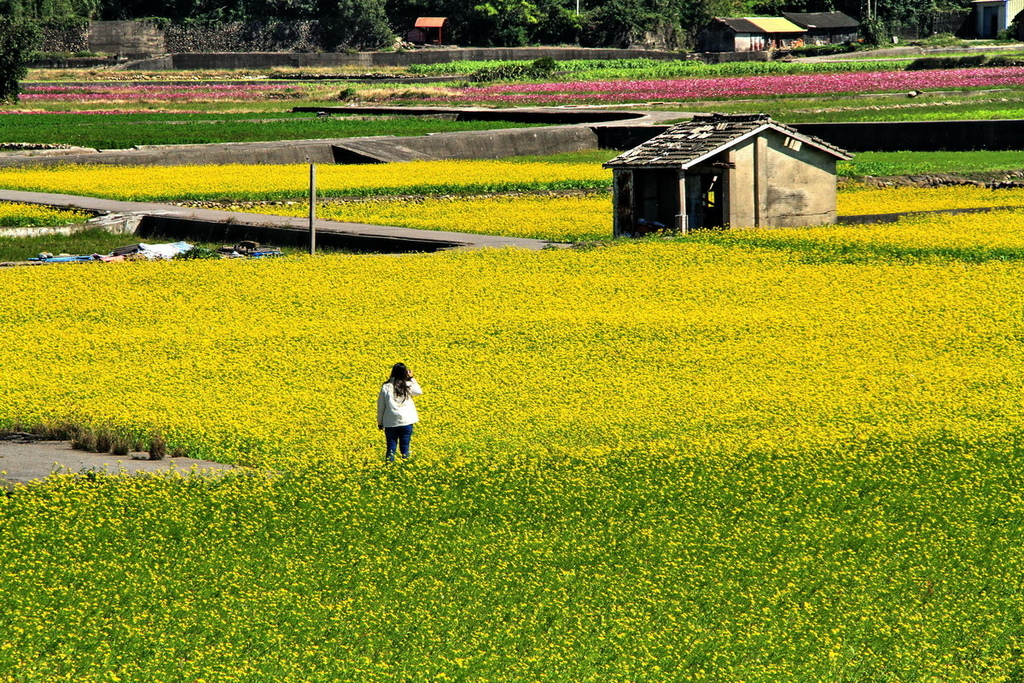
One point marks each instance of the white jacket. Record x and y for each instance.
(393, 412)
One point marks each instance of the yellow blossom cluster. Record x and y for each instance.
(859, 201)
(240, 181)
(17, 215)
(972, 237)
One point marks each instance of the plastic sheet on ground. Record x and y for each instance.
(163, 251)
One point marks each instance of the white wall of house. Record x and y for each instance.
(993, 16)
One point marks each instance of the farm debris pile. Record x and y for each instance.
(155, 252)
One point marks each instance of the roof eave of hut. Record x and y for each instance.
(620, 162)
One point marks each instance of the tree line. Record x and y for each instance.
(369, 24)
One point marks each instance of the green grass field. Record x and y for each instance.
(122, 131)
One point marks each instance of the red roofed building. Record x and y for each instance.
(430, 30)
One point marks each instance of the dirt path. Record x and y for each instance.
(24, 462)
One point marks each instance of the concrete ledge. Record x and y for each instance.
(548, 115)
(469, 145)
(22, 463)
(265, 60)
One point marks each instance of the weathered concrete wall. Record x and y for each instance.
(483, 144)
(722, 57)
(801, 184)
(266, 60)
(740, 188)
(126, 38)
(924, 136)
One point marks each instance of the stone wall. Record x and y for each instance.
(238, 36)
(65, 35)
(141, 38)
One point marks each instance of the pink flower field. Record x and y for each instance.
(136, 92)
(753, 86)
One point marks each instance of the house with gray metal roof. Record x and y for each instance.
(749, 34)
(825, 28)
(725, 171)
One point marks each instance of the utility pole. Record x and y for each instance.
(312, 209)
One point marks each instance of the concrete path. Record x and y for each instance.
(375, 237)
(21, 463)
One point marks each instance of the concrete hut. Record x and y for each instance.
(720, 171)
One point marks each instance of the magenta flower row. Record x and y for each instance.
(718, 88)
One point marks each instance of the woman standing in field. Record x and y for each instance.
(396, 413)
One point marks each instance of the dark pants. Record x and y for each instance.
(398, 438)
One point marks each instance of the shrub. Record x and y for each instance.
(103, 441)
(18, 39)
(120, 444)
(964, 62)
(196, 252)
(509, 71)
(157, 447)
(84, 439)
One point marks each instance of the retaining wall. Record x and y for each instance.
(920, 136)
(126, 37)
(267, 60)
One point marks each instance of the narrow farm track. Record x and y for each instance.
(407, 238)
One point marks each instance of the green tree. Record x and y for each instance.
(18, 39)
(355, 24)
(506, 22)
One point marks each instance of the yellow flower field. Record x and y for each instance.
(861, 201)
(546, 218)
(239, 181)
(703, 310)
(16, 215)
(556, 218)
(972, 236)
(723, 459)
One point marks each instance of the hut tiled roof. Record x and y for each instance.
(822, 20)
(686, 144)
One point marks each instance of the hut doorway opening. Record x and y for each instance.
(705, 199)
(657, 201)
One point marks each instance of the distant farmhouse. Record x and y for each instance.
(763, 34)
(993, 16)
(826, 28)
(749, 34)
